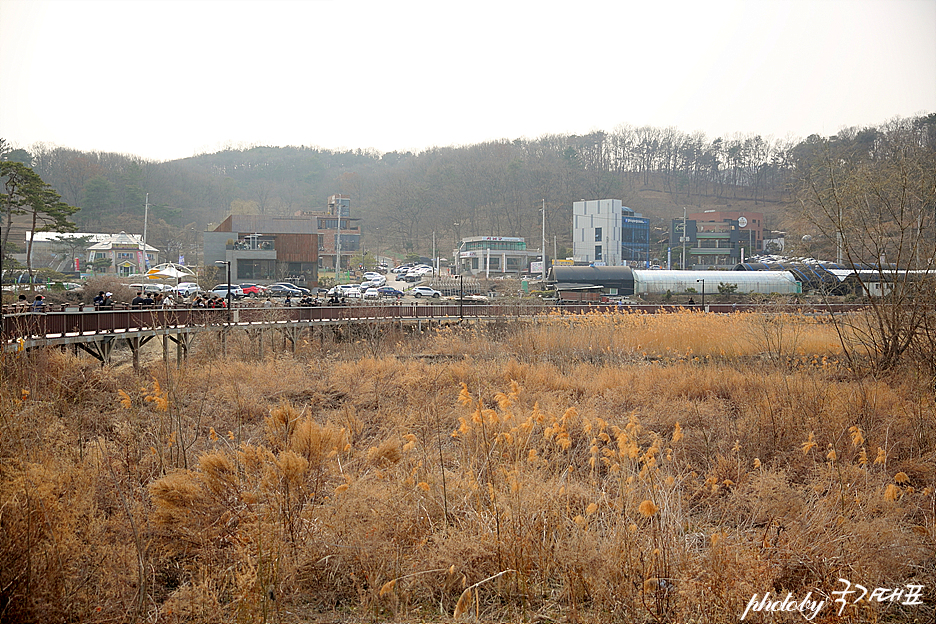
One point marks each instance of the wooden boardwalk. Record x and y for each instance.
(96, 331)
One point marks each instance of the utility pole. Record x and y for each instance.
(145, 222)
(338, 245)
(544, 240)
(455, 259)
(682, 264)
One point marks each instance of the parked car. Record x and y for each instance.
(468, 299)
(353, 293)
(253, 290)
(187, 289)
(341, 290)
(425, 291)
(374, 283)
(149, 288)
(414, 274)
(222, 291)
(371, 293)
(304, 291)
(389, 291)
(281, 290)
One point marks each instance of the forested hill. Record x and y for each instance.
(494, 188)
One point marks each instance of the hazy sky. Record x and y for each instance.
(170, 78)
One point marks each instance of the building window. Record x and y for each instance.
(597, 252)
(255, 269)
(597, 235)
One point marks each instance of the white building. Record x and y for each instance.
(489, 255)
(126, 253)
(607, 233)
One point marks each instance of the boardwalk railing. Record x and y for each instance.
(70, 324)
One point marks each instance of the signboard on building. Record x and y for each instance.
(536, 267)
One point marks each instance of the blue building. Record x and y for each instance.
(635, 238)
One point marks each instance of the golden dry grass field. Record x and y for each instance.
(596, 468)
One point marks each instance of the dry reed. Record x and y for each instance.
(597, 468)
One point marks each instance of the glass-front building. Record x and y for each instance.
(635, 239)
(493, 254)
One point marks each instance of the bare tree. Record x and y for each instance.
(874, 193)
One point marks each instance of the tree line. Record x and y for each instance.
(403, 198)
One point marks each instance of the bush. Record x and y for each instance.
(108, 283)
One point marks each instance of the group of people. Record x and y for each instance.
(148, 300)
(37, 305)
(306, 302)
(103, 301)
(209, 301)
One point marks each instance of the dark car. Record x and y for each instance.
(389, 291)
(281, 290)
(304, 291)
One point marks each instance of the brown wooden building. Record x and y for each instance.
(265, 249)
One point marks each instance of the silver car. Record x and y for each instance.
(222, 291)
(425, 291)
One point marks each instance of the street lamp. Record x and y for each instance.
(702, 281)
(228, 263)
(461, 296)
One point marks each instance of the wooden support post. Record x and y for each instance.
(100, 350)
(135, 349)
